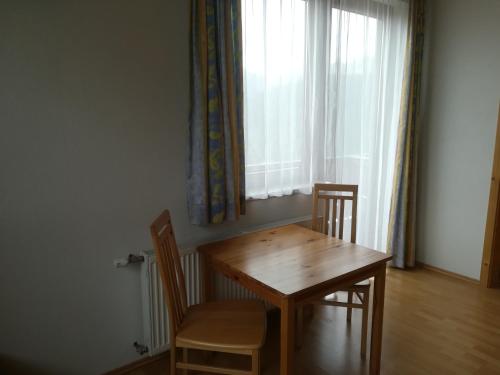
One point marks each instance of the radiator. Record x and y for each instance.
(155, 313)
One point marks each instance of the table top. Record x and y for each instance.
(291, 259)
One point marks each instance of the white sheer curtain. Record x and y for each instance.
(322, 88)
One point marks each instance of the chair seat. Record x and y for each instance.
(231, 325)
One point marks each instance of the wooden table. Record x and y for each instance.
(290, 266)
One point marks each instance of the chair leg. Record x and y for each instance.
(299, 326)
(173, 359)
(364, 325)
(256, 362)
(185, 359)
(349, 310)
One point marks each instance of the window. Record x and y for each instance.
(322, 85)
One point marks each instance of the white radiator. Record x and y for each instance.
(155, 313)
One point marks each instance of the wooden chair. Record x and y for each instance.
(338, 195)
(236, 327)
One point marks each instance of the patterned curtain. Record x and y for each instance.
(216, 165)
(401, 237)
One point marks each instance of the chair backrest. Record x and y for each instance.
(338, 194)
(172, 275)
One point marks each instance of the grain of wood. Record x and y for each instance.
(429, 329)
(339, 192)
(236, 327)
(291, 266)
(490, 266)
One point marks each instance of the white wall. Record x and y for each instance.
(460, 117)
(93, 125)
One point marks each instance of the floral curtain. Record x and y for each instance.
(401, 238)
(216, 165)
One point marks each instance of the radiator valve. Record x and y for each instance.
(132, 258)
(141, 349)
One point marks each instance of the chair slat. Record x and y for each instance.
(344, 197)
(326, 216)
(172, 277)
(334, 218)
(181, 282)
(165, 269)
(168, 259)
(338, 194)
(354, 215)
(314, 219)
(341, 220)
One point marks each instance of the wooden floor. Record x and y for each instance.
(434, 324)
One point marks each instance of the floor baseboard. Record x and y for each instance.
(136, 364)
(447, 273)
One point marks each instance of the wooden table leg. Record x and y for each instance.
(287, 336)
(208, 279)
(299, 326)
(377, 321)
